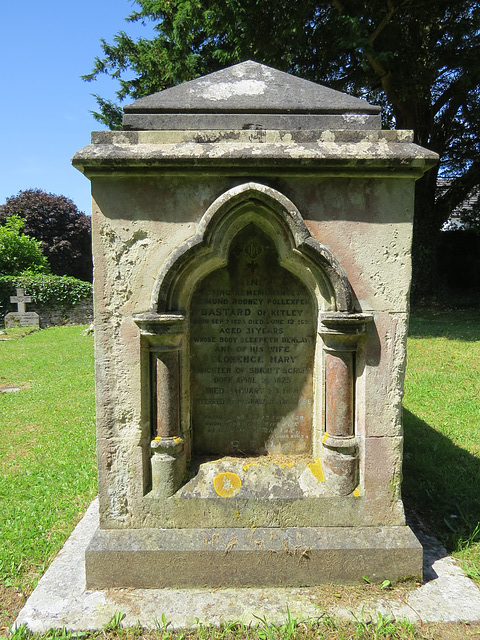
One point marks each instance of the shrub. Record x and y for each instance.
(63, 231)
(46, 290)
(19, 252)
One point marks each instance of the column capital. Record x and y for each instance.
(162, 330)
(340, 331)
(151, 323)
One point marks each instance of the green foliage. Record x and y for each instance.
(20, 633)
(18, 252)
(63, 231)
(115, 622)
(380, 628)
(270, 631)
(110, 114)
(46, 290)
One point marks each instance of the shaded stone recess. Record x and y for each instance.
(253, 337)
(251, 240)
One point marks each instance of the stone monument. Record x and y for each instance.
(251, 241)
(21, 317)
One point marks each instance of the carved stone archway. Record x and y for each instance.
(260, 211)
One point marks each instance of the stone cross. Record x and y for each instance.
(21, 317)
(20, 299)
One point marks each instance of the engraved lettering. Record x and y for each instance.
(252, 345)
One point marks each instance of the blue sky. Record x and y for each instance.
(44, 104)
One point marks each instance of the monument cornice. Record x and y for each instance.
(338, 153)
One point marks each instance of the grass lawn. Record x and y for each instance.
(442, 430)
(48, 477)
(47, 449)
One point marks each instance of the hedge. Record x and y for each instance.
(63, 291)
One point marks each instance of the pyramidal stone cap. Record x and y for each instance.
(250, 95)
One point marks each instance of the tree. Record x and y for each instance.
(19, 253)
(419, 60)
(63, 231)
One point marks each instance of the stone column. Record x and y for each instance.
(164, 333)
(167, 383)
(340, 333)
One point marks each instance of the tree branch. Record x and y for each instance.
(442, 100)
(383, 23)
(339, 6)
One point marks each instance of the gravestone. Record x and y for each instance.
(21, 317)
(251, 240)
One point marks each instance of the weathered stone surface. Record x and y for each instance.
(199, 232)
(21, 317)
(54, 315)
(385, 361)
(382, 475)
(252, 348)
(248, 121)
(368, 223)
(293, 557)
(251, 86)
(270, 136)
(60, 600)
(361, 156)
(134, 248)
(27, 319)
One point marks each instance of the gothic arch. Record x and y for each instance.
(276, 216)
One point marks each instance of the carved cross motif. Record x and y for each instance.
(20, 299)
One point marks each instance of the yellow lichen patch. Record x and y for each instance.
(356, 493)
(316, 469)
(325, 436)
(280, 460)
(177, 439)
(227, 484)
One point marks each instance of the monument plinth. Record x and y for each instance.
(251, 240)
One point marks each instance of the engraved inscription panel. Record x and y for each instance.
(252, 348)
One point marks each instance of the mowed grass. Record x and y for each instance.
(47, 447)
(48, 476)
(441, 472)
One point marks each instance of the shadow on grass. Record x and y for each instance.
(463, 324)
(441, 484)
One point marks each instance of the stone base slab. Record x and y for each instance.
(234, 557)
(27, 319)
(60, 600)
